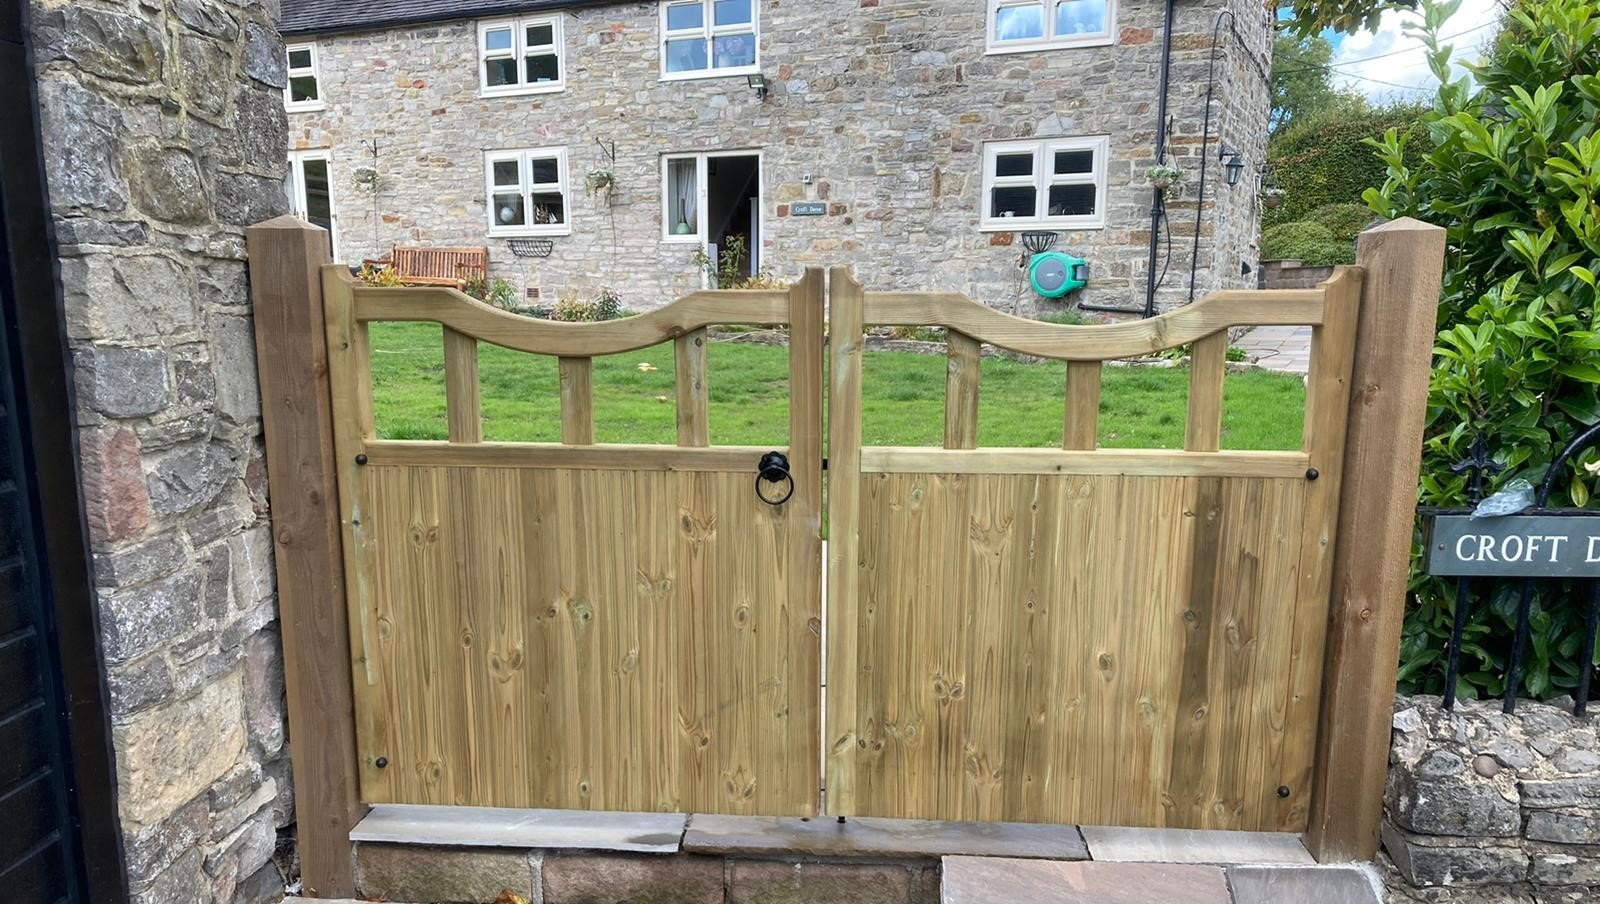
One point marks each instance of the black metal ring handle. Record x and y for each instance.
(774, 468)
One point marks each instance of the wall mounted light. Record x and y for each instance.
(1232, 163)
(758, 84)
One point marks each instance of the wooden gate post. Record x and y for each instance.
(286, 256)
(1377, 510)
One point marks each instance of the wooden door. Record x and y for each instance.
(1081, 635)
(581, 625)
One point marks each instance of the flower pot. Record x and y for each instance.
(1273, 202)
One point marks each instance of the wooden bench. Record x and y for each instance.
(422, 266)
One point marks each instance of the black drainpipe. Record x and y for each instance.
(1158, 200)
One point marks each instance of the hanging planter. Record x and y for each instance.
(364, 180)
(1163, 176)
(1272, 198)
(600, 182)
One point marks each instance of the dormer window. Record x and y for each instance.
(520, 56)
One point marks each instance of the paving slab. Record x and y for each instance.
(988, 880)
(871, 837)
(1320, 884)
(651, 833)
(1192, 846)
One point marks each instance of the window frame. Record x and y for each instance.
(701, 236)
(1050, 40)
(519, 52)
(526, 188)
(708, 31)
(292, 73)
(1042, 178)
(295, 186)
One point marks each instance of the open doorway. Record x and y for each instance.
(309, 186)
(714, 200)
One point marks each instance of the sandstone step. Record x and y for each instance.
(991, 880)
(1319, 884)
(1107, 843)
(864, 837)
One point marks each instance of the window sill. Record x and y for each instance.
(543, 88)
(317, 107)
(1020, 225)
(708, 74)
(675, 239)
(1032, 47)
(534, 233)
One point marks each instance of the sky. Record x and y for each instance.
(1391, 65)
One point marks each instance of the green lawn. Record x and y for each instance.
(903, 398)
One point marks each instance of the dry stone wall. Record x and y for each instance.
(1485, 807)
(163, 128)
(885, 105)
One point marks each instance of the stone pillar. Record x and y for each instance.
(163, 130)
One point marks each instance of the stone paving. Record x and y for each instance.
(1286, 349)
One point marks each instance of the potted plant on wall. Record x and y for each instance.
(1163, 176)
(365, 180)
(1272, 197)
(600, 182)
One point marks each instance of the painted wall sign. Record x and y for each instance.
(808, 208)
(1556, 546)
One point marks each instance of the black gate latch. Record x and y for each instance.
(774, 468)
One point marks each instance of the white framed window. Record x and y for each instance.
(709, 196)
(1021, 25)
(305, 82)
(702, 38)
(1057, 183)
(527, 192)
(521, 56)
(309, 186)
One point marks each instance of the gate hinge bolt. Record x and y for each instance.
(381, 762)
(1312, 473)
(361, 459)
(1283, 790)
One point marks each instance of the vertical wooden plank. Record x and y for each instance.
(1327, 413)
(1082, 425)
(577, 401)
(807, 329)
(1207, 369)
(1403, 262)
(291, 355)
(961, 391)
(694, 396)
(461, 396)
(846, 334)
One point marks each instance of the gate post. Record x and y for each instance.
(286, 257)
(1404, 261)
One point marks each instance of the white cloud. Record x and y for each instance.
(1389, 64)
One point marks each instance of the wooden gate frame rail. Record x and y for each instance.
(1403, 262)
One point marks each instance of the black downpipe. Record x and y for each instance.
(1205, 137)
(1158, 200)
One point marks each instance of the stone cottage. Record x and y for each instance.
(592, 145)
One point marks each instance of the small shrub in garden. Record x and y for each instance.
(1309, 243)
(1344, 221)
(1509, 165)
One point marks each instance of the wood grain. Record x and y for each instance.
(286, 255)
(1207, 370)
(843, 737)
(694, 394)
(1403, 262)
(1081, 427)
(463, 401)
(1214, 313)
(961, 391)
(471, 317)
(1141, 462)
(608, 457)
(577, 401)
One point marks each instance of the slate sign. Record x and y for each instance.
(808, 208)
(1534, 546)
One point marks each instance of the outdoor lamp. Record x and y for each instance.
(758, 84)
(1232, 164)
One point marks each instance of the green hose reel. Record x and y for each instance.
(1054, 273)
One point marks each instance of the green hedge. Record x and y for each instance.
(1309, 243)
(1323, 161)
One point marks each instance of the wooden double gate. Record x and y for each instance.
(1075, 634)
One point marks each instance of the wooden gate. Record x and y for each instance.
(1081, 635)
(577, 625)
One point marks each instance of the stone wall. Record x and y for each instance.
(1486, 807)
(163, 129)
(886, 105)
(1292, 275)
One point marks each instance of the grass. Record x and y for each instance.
(902, 398)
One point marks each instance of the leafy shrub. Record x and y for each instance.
(917, 333)
(1309, 243)
(1510, 167)
(497, 291)
(1324, 160)
(374, 275)
(1343, 220)
(571, 308)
